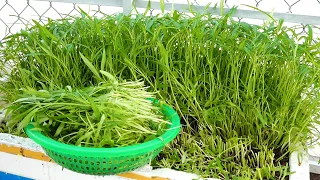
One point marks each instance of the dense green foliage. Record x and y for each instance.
(247, 93)
(108, 115)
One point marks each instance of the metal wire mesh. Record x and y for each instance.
(306, 7)
(300, 7)
(16, 14)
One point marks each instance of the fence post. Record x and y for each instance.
(127, 6)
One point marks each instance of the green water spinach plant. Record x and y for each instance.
(111, 114)
(247, 93)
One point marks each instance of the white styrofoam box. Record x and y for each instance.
(37, 169)
(299, 164)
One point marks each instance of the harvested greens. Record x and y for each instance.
(107, 115)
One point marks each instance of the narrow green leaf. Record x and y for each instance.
(45, 31)
(27, 119)
(221, 7)
(95, 109)
(271, 18)
(108, 75)
(103, 61)
(85, 136)
(59, 129)
(162, 5)
(147, 8)
(310, 34)
(97, 133)
(90, 66)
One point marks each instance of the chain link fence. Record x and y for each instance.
(290, 8)
(303, 7)
(16, 14)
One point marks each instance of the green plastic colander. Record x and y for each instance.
(107, 161)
